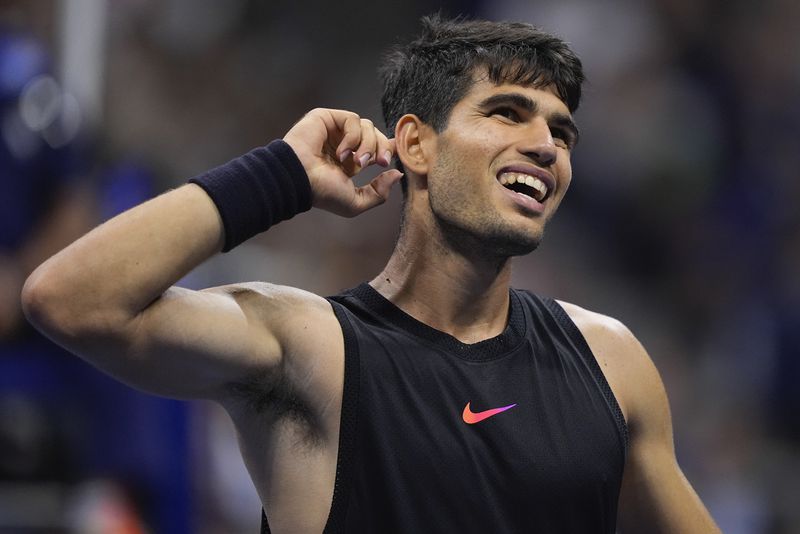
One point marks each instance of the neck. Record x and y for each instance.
(455, 290)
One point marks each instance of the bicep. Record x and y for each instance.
(193, 344)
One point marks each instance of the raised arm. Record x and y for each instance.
(109, 297)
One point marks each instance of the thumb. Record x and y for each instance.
(377, 191)
(382, 184)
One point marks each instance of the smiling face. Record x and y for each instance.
(500, 168)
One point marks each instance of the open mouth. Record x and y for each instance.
(525, 184)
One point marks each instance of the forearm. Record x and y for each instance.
(107, 297)
(108, 277)
(115, 271)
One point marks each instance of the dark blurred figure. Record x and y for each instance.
(42, 206)
(47, 436)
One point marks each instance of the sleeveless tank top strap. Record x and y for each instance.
(348, 425)
(575, 335)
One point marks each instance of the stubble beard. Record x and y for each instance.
(486, 236)
(471, 227)
(467, 224)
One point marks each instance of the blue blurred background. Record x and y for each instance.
(682, 222)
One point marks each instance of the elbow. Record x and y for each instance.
(59, 311)
(44, 303)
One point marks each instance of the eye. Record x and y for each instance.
(506, 112)
(562, 138)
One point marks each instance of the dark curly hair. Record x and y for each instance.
(429, 75)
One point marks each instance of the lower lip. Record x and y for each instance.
(528, 204)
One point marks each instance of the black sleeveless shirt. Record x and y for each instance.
(519, 433)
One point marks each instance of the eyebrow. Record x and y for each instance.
(516, 99)
(560, 120)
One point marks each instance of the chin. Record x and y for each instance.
(513, 244)
(503, 238)
(491, 240)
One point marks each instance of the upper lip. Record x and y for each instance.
(532, 170)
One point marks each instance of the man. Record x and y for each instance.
(435, 398)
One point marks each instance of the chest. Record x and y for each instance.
(531, 424)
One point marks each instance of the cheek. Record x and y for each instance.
(564, 172)
(472, 143)
(566, 180)
(452, 188)
(462, 171)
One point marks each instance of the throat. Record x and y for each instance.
(445, 277)
(446, 302)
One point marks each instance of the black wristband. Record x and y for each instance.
(255, 191)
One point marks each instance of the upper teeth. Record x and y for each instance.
(508, 178)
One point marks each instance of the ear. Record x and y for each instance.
(412, 137)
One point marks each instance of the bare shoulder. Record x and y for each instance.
(266, 298)
(300, 321)
(655, 495)
(596, 324)
(278, 308)
(310, 341)
(624, 361)
(608, 337)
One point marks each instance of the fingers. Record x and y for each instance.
(335, 145)
(350, 125)
(385, 150)
(320, 130)
(365, 154)
(376, 192)
(361, 140)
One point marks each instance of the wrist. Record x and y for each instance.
(257, 190)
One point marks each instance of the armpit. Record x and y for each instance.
(273, 400)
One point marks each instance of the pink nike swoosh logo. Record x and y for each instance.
(471, 417)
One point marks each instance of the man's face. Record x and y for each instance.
(501, 167)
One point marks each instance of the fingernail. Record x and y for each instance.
(344, 155)
(363, 160)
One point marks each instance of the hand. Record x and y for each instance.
(333, 146)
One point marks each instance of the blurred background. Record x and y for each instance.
(682, 221)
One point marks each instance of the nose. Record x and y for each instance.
(538, 144)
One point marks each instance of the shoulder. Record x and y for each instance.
(626, 364)
(310, 339)
(275, 302)
(654, 490)
(601, 330)
(298, 319)
(259, 293)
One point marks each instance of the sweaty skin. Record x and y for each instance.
(273, 356)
